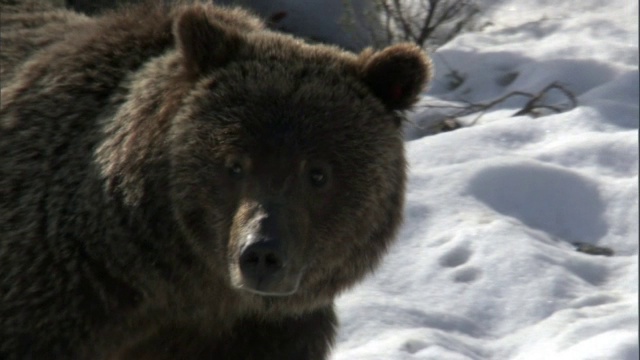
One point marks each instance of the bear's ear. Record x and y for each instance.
(205, 45)
(396, 75)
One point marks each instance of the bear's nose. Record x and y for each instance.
(262, 259)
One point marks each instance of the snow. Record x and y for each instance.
(317, 20)
(485, 265)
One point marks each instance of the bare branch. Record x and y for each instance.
(534, 103)
(419, 21)
(426, 26)
(401, 18)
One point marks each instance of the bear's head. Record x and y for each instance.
(288, 166)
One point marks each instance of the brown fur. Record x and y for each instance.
(139, 157)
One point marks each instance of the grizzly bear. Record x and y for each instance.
(179, 182)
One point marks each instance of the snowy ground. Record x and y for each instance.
(484, 267)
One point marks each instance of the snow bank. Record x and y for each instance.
(486, 266)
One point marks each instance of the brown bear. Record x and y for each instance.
(178, 182)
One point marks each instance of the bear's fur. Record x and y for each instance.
(179, 182)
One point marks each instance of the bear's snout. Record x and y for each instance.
(263, 260)
(264, 268)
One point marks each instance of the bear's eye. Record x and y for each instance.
(235, 170)
(318, 177)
